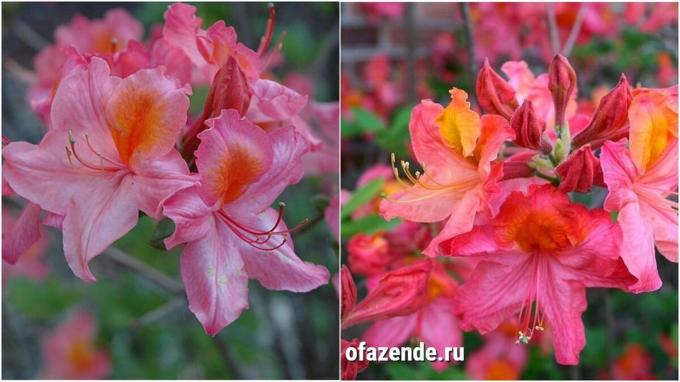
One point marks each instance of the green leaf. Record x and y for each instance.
(362, 196)
(368, 224)
(163, 230)
(365, 121)
(395, 138)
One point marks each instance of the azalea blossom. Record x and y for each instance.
(231, 232)
(537, 257)
(70, 352)
(643, 180)
(109, 154)
(434, 323)
(500, 358)
(456, 148)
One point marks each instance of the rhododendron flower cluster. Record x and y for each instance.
(496, 189)
(119, 140)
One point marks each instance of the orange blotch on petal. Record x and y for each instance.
(238, 169)
(459, 126)
(653, 125)
(145, 116)
(541, 223)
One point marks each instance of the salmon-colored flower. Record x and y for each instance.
(642, 182)
(634, 363)
(535, 89)
(70, 352)
(434, 323)
(208, 50)
(500, 358)
(230, 230)
(537, 257)
(109, 154)
(368, 254)
(456, 149)
(397, 293)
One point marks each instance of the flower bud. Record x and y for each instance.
(229, 90)
(562, 83)
(368, 254)
(528, 128)
(494, 94)
(580, 171)
(350, 369)
(348, 291)
(399, 292)
(610, 121)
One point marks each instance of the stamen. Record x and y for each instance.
(261, 237)
(269, 31)
(72, 145)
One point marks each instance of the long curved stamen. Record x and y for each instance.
(261, 237)
(72, 152)
(269, 31)
(530, 316)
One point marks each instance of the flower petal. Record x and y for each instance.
(95, 218)
(232, 155)
(192, 217)
(214, 279)
(279, 269)
(391, 332)
(145, 114)
(21, 236)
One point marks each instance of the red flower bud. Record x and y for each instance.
(580, 171)
(562, 83)
(229, 90)
(368, 254)
(610, 121)
(517, 166)
(494, 94)
(528, 128)
(348, 291)
(399, 292)
(350, 369)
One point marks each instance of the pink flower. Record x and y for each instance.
(399, 292)
(500, 358)
(107, 35)
(208, 50)
(641, 180)
(368, 254)
(23, 244)
(108, 155)
(434, 323)
(230, 231)
(537, 257)
(535, 89)
(456, 149)
(326, 118)
(70, 352)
